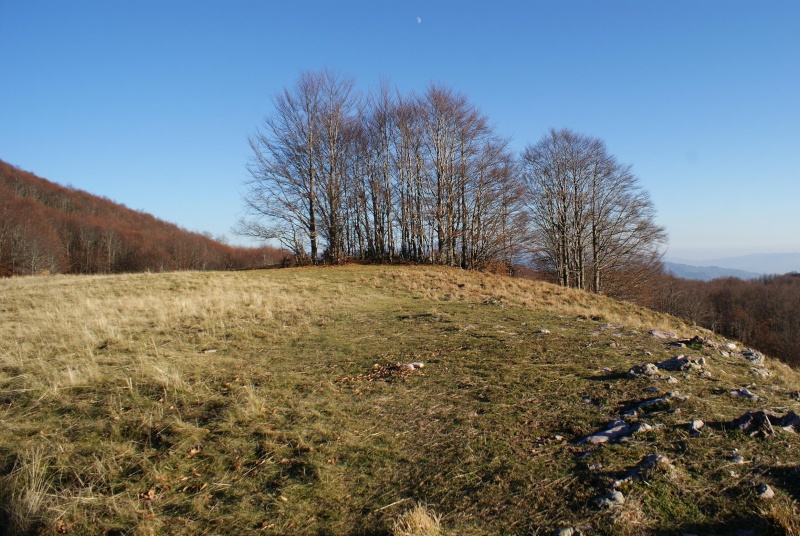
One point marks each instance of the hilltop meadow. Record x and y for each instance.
(286, 402)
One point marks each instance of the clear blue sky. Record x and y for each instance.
(150, 103)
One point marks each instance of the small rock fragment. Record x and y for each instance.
(543, 331)
(611, 499)
(566, 531)
(614, 430)
(695, 426)
(765, 492)
(744, 393)
(737, 459)
(645, 370)
(682, 363)
(754, 356)
(658, 334)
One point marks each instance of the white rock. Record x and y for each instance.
(765, 492)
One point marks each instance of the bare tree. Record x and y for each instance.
(282, 198)
(589, 215)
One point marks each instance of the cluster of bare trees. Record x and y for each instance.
(589, 216)
(422, 178)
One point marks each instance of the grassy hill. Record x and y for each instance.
(270, 402)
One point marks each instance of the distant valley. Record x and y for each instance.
(743, 267)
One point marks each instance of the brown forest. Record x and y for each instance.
(48, 228)
(762, 313)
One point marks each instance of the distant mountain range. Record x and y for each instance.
(743, 267)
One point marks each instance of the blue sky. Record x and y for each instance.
(150, 103)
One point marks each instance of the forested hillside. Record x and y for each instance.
(48, 228)
(763, 313)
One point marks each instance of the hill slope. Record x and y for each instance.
(45, 227)
(271, 403)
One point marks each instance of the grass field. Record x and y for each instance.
(268, 402)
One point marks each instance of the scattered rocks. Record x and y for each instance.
(765, 492)
(744, 393)
(611, 499)
(615, 429)
(658, 334)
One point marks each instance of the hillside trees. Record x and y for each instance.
(420, 178)
(47, 228)
(590, 219)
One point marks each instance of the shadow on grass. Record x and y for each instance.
(735, 526)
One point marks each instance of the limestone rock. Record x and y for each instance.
(695, 426)
(615, 429)
(611, 499)
(762, 423)
(658, 334)
(645, 370)
(755, 357)
(682, 363)
(744, 393)
(765, 492)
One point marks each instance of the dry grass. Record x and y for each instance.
(247, 402)
(418, 521)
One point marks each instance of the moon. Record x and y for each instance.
(419, 20)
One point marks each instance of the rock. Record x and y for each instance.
(417, 364)
(671, 379)
(658, 334)
(645, 370)
(754, 356)
(682, 363)
(640, 427)
(695, 426)
(543, 331)
(567, 531)
(611, 499)
(744, 393)
(764, 373)
(737, 459)
(754, 424)
(676, 344)
(794, 395)
(697, 340)
(614, 430)
(650, 465)
(731, 346)
(654, 404)
(765, 492)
